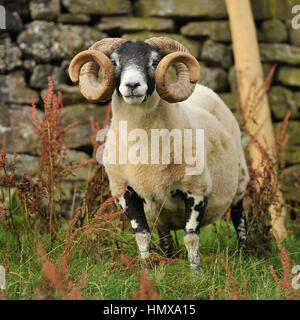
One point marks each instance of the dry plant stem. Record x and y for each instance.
(285, 282)
(249, 70)
(235, 293)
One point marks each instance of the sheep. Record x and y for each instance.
(163, 195)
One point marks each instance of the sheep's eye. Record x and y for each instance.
(114, 62)
(155, 63)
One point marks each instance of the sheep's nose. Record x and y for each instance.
(132, 85)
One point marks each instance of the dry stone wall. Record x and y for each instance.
(42, 36)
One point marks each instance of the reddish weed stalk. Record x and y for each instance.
(287, 275)
(76, 239)
(235, 293)
(59, 284)
(52, 158)
(100, 223)
(40, 201)
(146, 289)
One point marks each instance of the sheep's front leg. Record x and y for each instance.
(239, 220)
(136, 214)
(195, 208)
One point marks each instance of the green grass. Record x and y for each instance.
(107, 278)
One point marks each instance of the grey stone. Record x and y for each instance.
(13, 89)
(231, 100)
(292, 150)
(98, 7)
(10, 57)
(217, 53)
(44, 9)
(19, 133)
(177, 8)
(277, 52)
(74, 18)
(289, 177)
(29, 165)
(129, 24)
(70, 94)
(81, 134)
(289, 76)
(297, 99)
(295, 37)
(39, 77)
(73, 157)
(193, 46)
(46, 41)
(273, 9)
(293, 130)
(214, 30)
(281, 101)
(294, 34)
(29, 64)
(273, 31)
(292, 154)
(25, 165)
(214, 78)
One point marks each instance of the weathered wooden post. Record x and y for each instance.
(248, 69)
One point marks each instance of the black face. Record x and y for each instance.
(135, 64)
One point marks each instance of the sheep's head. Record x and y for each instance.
(135, 69)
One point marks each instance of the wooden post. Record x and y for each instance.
(248, 69)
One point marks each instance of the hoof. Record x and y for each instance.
(244, 249)
(144, 255)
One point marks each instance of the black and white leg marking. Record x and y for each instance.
(166, 242)
(195, 209)
(136, 214)
(239, 220)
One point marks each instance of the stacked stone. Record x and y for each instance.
(43, 35)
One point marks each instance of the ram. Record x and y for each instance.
(167, 196)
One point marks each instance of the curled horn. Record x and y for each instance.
(187, 69)
(85, 66)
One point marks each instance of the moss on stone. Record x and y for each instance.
(215, 30)
(278, 52)
(281, 101)
(94, 7)
(177, 8)
(273, 31)
(273, 9)
(289, 76)
(129, 24)
(191, 45)
(289, 178)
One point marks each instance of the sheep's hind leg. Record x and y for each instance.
(166, 243)
(195, 208)
(239, 220)
(136, 214)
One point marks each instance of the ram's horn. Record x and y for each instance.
(187, 70)
(85, 66)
